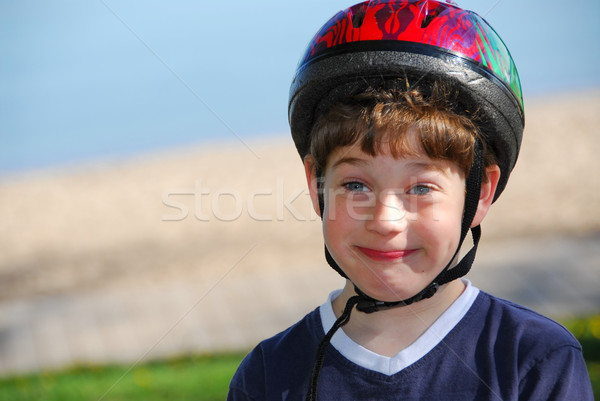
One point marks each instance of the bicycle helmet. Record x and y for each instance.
(422, 40)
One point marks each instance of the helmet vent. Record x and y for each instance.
(428, 18)
(358, 13)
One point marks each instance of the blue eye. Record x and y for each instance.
(420, 190)
(355, 186)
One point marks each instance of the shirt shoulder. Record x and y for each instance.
(274, 364)
(540, 356)
(531, 329)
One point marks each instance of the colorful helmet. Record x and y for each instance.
(422, 41)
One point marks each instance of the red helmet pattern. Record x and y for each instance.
(434, 23)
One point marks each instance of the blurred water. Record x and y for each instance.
(81, 80)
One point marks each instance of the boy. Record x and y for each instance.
(409, 116)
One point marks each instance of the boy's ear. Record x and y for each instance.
(311, 179)
(486, 196)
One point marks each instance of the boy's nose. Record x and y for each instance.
(389, 214)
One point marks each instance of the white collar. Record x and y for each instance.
(423, 345)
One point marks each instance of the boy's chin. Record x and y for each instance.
(390, 293)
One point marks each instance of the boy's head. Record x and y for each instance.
(459, 100)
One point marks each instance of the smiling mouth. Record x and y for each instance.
(385, 255)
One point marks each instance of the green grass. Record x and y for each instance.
(587, 331)
(594, 371)
(202, 378)
(198, 378)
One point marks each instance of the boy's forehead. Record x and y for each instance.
(353, 155)
(411, 146)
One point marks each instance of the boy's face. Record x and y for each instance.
(391, 224)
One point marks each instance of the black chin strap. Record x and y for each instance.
(366, 304)
(342, 320)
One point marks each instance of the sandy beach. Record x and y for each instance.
(216, 247)
(189, 213)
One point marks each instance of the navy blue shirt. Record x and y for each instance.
(498, 351)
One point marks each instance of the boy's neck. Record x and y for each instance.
(390, 331)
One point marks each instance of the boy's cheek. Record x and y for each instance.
(359, 207)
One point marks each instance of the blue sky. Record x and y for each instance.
(84, 80)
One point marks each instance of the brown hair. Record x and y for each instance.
(378, 117)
